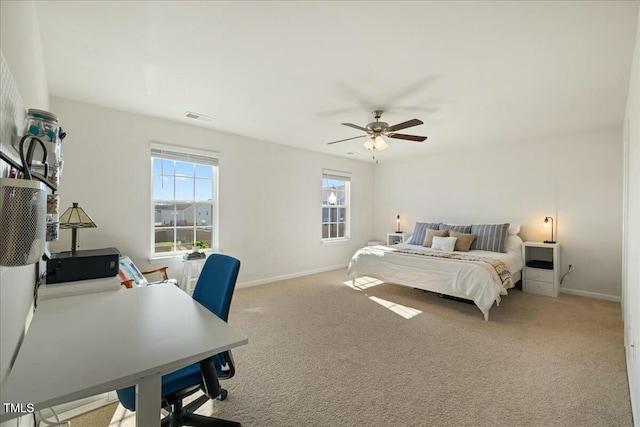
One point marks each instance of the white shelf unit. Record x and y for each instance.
(395, 238)
(541, 273)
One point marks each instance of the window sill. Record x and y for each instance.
(335, 241)
(174, 257)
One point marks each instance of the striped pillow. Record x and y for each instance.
(490, 237)
(459, 228)
(420, 231)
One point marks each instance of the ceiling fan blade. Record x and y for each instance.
(351, 125)
(355, 137)
(404, 125)
(408, 137)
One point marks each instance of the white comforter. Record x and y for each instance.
(477, 281)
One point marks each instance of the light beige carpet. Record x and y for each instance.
(321, 353)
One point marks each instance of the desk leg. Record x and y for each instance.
(148, 401)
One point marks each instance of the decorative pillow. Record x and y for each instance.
(419, 231)
(513, 243)
(464, 240)
(513, 229)
(456, 227)
(445, 244)
(490, 237)
(430, 234)
(128, 271)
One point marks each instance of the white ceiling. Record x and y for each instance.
(291, 72)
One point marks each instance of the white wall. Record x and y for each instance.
(270, 208)
(631, 243)
(575, 179)
(21, 49)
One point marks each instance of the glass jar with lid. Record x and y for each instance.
(44, 126)
(41, 124)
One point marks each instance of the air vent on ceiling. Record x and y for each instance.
(198, 116)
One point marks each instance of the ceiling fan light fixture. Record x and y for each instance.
(380, 144)
(370, 144)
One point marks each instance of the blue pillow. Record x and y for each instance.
(466, 229)
(420, 231)
(490, 237)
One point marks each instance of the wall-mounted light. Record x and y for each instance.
(548, 223)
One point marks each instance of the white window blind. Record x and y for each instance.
(188, 156)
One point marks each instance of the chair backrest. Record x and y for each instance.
(130, 274)
(216, 283)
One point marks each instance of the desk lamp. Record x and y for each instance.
(548, 221)
(75, 217)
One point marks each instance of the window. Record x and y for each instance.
(336, 198)
(184, 199)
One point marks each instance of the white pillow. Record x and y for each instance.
(513, 243)
(513, 229)
(445, 244)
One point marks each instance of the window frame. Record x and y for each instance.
(346, 178)
(185, 155)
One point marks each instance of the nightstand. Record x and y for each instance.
(395, 238)
(541, 274)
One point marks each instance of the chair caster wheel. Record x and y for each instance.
(223, 394)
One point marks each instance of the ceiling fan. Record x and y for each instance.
(376, 130)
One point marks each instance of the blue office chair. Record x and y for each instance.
(213, 290)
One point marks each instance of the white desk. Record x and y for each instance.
(83, 345)
(80, 287)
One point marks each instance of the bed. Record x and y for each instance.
(477, 275)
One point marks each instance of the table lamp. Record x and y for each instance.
(548, 222)
(75, 217)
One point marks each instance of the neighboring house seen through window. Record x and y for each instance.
(184, 199)
(336, 200)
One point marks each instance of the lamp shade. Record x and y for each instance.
(76, 217)
(369, 144)
(380, 144)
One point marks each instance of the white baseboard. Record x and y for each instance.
(288, 276)
(590, 294)
(630, 376)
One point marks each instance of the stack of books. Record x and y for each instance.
(194, 255)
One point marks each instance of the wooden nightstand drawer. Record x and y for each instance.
(539, 275)
(541, 288)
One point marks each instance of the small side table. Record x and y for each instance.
(395, 238)
(541, 274)
(190, 272)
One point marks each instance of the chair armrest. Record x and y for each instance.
(227, 368)
(161, 270)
